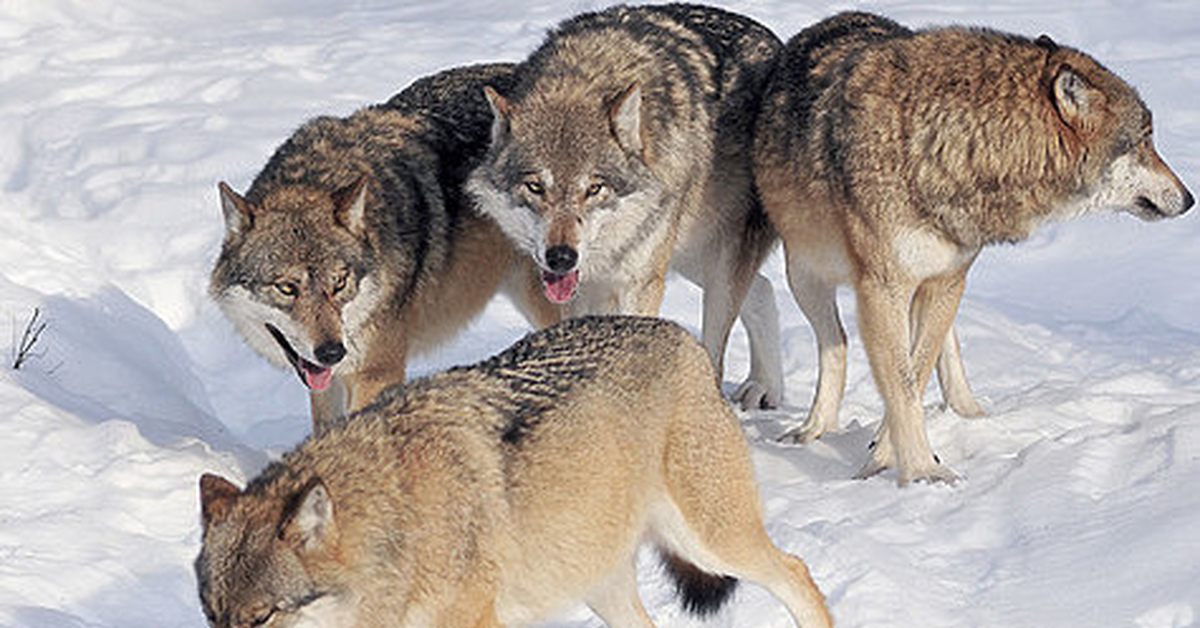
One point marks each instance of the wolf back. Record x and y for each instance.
(505, 492)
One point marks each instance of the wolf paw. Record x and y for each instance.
(932, 473)
(754, 395)
(966, 407)
(804, 433)
(871, 469)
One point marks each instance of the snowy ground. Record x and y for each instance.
(117, 118)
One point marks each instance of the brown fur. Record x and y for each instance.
(626, 145)
(357, 245)
(888, 158)
(501, 493)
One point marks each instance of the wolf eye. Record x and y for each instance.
(262, 618)
(535, 188)
(594, 189)
(287, 288)
(339, 283)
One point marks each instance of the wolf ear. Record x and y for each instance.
(500, 111)
(216, 498)
(307, 520)
(238, 217)
(625, 116)
(1046, 42)
(351, 206)
(1075, 99)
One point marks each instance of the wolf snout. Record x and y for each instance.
(1170, 206)
(330, 353)
(561, 258)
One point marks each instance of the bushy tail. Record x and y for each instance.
(701, 593)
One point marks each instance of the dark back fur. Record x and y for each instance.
(416, 149)
(805, 71)
(965, 118)
(501, 398)
(722, 59)
(534, 375)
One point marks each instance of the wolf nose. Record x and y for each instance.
(561, 259)
(330, 353)
(1188, 200)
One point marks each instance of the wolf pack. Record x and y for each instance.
(634, 142)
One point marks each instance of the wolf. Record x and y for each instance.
(501, 493)
(355, 245)
(622, 151)
(888, 158)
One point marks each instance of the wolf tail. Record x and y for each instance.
(701, 593)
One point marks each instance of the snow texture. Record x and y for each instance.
(1079, 505)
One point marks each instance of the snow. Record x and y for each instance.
(118, 117)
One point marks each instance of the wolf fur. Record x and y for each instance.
(355, 246)
(623, 151)
(888, 158)
(501, 493)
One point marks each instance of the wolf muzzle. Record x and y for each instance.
(562, 279)
(315, 377)
(561, 258)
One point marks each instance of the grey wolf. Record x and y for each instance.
(622, 151)
(888, 158)
(355, 246)
(501, 493)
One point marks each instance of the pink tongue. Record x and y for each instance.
(560, 288)
(317, 378)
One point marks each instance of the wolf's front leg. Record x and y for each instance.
(884, 325)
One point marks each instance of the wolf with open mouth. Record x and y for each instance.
(355, 247)
(623, 152)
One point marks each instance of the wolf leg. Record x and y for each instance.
(718, 526)
(818, 300)
(644, 299)
(884, 308)
(952, 376)
(727, 295)
(788, 579)
(616, 600)
(763, 388)
(934, 307)
(740, 548)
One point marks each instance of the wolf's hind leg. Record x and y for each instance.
(616, 600)
(818, 300)
(952, 376)
(763, 388)
(718, 526)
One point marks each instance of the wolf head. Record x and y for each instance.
(294, 275)
(1107, 126)
(259, 565)
(561, 166)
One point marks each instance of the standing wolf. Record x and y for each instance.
(889, 158)
(624, 150)
(501, 493)
(355, 245)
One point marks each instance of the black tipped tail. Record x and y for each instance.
(701, 593)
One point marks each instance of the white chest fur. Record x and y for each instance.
(922, 253)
